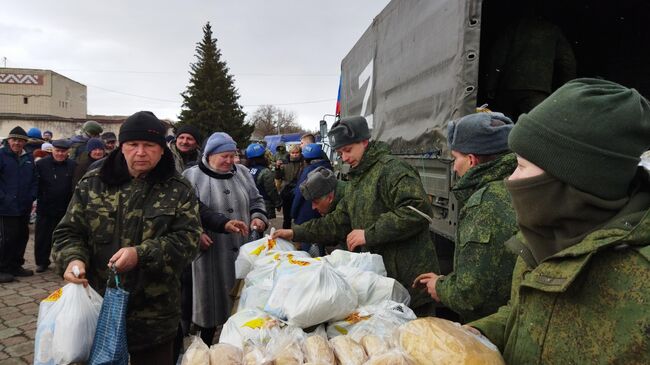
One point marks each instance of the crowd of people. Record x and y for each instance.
(552, 251)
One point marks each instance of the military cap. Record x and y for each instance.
(347, 131)
(319, 183)
(479, 133)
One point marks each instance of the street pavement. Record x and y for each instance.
(19, 302)
(19, 310)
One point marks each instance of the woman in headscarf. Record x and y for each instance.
(228, 188)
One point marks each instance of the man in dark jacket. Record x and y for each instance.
(138, 214)
(55, 175)
(18, 187)
(379, 213)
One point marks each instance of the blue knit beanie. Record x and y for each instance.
(94, 143)
(479, 133)
(220, 142)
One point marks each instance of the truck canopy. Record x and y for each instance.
(412, 71)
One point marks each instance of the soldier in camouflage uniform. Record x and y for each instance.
(481, 278)
(581, 284)
(376, 211)
(138, 214)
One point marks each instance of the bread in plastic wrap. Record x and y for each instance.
(347, 351)
(447, 343)
(225, 354)
(197, 354)
(364, 261)
(307, 292)
(252, 251)
(248, 324)
(382, 320)
(393, 357)
(374, 345)
(318, 351)
(372, 288)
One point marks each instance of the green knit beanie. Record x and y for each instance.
(589, 133)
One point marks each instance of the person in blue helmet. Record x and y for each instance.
(35, 140)
(301, 208)
(263, 176)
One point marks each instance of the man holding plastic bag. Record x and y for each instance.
(379, 210)
(138, 214)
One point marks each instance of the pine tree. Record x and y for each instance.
(210, 102)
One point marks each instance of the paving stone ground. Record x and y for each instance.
(19, 302)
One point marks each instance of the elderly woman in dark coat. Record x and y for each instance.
(228, 188)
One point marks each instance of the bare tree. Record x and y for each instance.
(269, 119)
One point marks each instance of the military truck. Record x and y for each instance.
(423, 63)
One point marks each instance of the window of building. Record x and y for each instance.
(25, 100)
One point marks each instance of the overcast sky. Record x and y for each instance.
(135, 55)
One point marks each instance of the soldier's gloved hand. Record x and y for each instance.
(355, 239)
(235, 226)
(258, 225)
(125, 259)
(69, 274)
(286, 234)
(205, 241)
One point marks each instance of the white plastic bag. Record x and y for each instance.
(251, 251)
(307, 292)
(197, 353)
(259, 282)
(381, 320)
(249, 324)
(364, 261)
(65, 332)
(373, 288)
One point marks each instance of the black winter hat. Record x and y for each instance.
(143, 126)
(347, 131)
(192, 131)
(19, 133)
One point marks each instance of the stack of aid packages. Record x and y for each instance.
(336, 309)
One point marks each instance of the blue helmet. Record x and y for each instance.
(312, 150)
(254, 150)
(34, 133)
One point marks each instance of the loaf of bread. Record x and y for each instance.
(317, 350)
(289, 355)
(374, 345)
(347, 351)
(445, 343)
(394, 357)
(225, 354)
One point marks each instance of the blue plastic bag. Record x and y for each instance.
(109, 345)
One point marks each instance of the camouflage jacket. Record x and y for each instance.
(377, 200)
(587, 304)
(158, 216)
(184, 161)
(480, 282)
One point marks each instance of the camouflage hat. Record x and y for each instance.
(319, 183)
(347, 131)
(92, 128)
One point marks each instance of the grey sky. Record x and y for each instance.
(135, 55)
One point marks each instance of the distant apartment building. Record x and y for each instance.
(46, 100)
